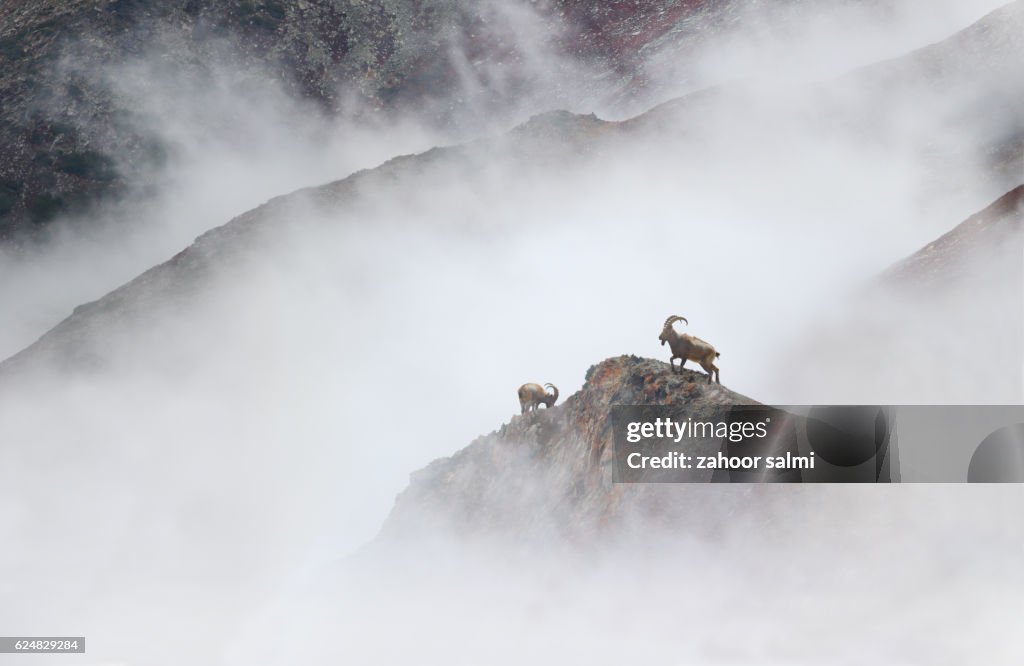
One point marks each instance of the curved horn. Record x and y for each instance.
(554, 393)
(674, 318)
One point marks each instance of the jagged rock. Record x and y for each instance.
(548, 474)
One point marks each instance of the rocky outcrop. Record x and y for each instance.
(548, 474)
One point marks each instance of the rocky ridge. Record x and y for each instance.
(72, 139)
(549, 473)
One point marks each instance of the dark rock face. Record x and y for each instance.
(548, 474)
(63, 127)
(70, 141)
(621, 31)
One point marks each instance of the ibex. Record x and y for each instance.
(688, 348)
(531, 396)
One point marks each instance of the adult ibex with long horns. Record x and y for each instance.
(689, 348)
(532, 396)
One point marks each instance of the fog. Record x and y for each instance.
(202, 492)
(788, 42)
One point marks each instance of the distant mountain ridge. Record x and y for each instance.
(70, 142)
(557, 137)
(971, 242)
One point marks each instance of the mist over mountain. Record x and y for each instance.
(984, 248)
(88, 86)
(131, 131)
(963, 286)
(696, 137)
(347, 251)
(78, 130)
(523, 533)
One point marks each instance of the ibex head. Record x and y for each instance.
(666, 331)
(551, 398)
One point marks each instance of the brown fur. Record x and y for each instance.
(689, 348)
(532, 396)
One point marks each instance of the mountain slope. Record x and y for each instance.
(78, 342)
(74, 135)
(951, 312)
(561, 142)
(958, 103)
(968, 249)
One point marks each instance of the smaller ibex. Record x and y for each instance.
(532, 396)
(688, 348)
